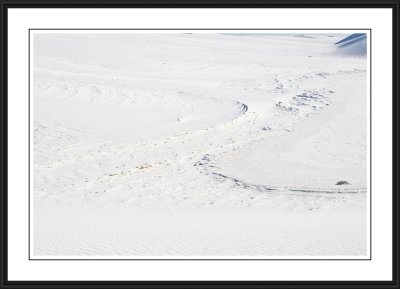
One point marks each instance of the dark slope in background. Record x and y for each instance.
(353, 45)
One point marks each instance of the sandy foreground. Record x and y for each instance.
(198, 145)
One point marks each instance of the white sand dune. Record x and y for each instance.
(198, 145)
(198, 234)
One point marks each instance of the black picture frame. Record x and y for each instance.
(61, 4)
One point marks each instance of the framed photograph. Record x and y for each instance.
(249, 144)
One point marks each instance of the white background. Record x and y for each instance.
(20, 20)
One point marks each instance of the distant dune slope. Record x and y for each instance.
(354, 45)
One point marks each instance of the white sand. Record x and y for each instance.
(198, 145)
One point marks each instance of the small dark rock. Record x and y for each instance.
(341, 183)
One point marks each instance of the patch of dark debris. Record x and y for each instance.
(342, 183)
(316, 100)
